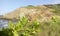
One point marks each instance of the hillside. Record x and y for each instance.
(56, 7)
(38, 21)
(35, 12)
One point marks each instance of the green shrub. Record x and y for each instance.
(22, 28)
(26, 28)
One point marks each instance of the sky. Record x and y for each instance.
(7, 6)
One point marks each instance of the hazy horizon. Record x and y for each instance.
(7, 6)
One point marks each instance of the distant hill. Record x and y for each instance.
(34, 12)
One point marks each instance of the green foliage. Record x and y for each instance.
(35, 28)
(6, 32)
(22, 28)
(30, 6)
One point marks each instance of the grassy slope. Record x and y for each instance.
(56, 7)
